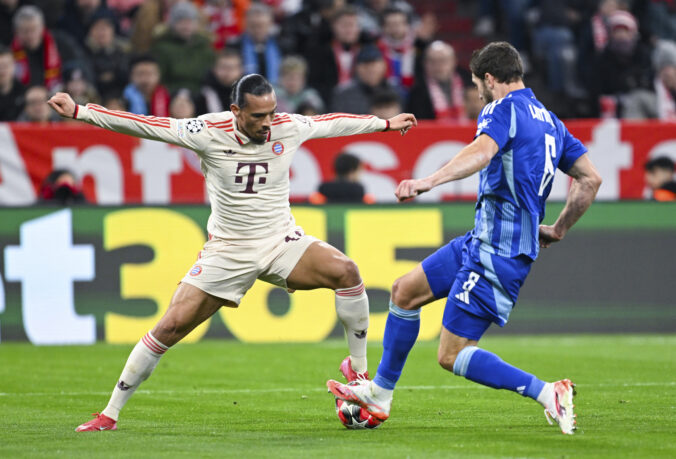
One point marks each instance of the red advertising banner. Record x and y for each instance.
(118, 169)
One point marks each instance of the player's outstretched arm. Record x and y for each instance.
(345, 124)
(586, 183)
(470, 160)
(163, 129)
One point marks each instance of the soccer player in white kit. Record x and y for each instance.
(245, 157)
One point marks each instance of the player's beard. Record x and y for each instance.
(486, 94)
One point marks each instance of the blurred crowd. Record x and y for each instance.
(584, 58)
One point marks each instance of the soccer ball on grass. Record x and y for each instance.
(354, 416)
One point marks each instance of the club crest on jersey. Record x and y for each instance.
(278, 148)
(196, 270)
(194, 126)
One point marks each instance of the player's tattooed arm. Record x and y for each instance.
(470, 160)
(585, 185)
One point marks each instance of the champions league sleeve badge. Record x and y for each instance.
(194, 126)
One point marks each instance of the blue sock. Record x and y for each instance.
(401, 331)
(490, 370)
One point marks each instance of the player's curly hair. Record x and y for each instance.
(500, 59)
(252, 83)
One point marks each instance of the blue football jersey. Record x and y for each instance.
(514, 186)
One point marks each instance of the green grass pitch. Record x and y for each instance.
(228, 399)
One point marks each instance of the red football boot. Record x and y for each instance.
(100, 422)
(349, 373)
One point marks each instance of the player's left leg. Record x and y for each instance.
(324, 266)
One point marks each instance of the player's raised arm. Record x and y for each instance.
(583, 189)
(344, 124)
(470, 160)
(191, 133)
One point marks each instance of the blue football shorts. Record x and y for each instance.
(481, 287)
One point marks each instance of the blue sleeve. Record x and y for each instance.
(494, 121)
(571, 151)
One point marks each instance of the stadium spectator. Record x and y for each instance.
(599, 21)
(333, 62)
(384, 103)
(61, 187)
(440, 94)
(144, 94)
(657, 18)
(473, 104)
(659, 176)
(225, 19)
(345, 187)
(36, 109)
(371, 14)
(77, 83)
(623, 70)
(309, 26)
(215, 93)
(514, 11)
(554, 43)
(664, 59)
(293, 90)
(107, 55)
(11, 90)
(39, 54)
(182, 105)
(307, 109)
(183, 52)
(258, 45)
(124, 10)
(7, 10)
(113, 101)
(402, 47)
(79, 15)
(149, 22)
(370, 77)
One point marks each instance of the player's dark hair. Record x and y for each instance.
(253, 84)
(345, 163)
(142, 59)
(662, 162)
(500, 59)
(229, 53)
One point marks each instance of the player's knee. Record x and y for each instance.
(401, 295)
(446, 359)
(349, 274)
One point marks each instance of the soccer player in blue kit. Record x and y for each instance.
(517, 147)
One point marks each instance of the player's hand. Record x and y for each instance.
(402, 122)
(62, 104)
(408, 189)
(549, 235)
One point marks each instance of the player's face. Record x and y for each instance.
(255, 119)
(484, 93)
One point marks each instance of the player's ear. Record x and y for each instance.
(234, 108)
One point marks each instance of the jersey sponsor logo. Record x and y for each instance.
(194, 126)
(251, 176)
(228, 152)
(179, 130)
(196, 270)
(278, 148)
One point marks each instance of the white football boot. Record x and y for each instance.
(363, 393)
(559, 405)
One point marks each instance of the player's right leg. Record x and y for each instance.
(189, 307)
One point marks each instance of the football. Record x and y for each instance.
(354, 416)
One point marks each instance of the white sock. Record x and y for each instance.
(352, 307)
(546, 395)
(139, 366)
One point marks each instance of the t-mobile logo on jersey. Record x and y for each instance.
(250, 176)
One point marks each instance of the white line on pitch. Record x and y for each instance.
(301, 390)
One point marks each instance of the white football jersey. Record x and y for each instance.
(247, 183)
